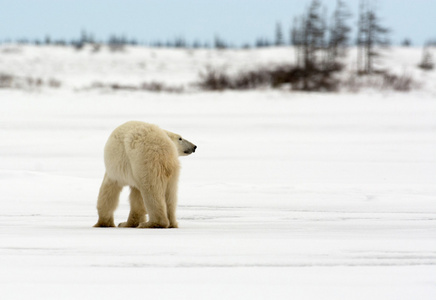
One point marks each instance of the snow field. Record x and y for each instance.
(288, 196)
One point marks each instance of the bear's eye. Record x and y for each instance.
(180, 138)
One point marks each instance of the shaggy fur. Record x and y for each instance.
(144, 157)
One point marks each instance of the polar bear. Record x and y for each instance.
(144, 157)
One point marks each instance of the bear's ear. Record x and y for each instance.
(171, 135)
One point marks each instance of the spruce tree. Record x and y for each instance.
(371, 34)
(427, 59)
(313, 35)
(279, 35)
(339, 31)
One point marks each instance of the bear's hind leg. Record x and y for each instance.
(154, 199)
(107, 202)
(137, 209)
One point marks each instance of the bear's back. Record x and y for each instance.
(137, 145)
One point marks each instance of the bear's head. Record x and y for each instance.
(184, 147)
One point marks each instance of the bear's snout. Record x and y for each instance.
(190, 151)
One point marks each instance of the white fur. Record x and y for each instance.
(144, 157)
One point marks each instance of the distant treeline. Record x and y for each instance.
(321, 41)
(332, 30)
(176, 42)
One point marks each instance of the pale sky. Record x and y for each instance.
(236, 21)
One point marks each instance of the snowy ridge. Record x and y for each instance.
(81, 70)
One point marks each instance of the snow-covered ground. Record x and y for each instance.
(288, 196)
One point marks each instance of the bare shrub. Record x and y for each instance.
(252, 79)
(380, 81)
(11, 50)
(78, 46)
(6, 80)
(214, 80)
(401, 83)
(53, 83)
(427, 63)
(145, 86)
(116, 47)
(96, 85)
(304, 79)
(307, 79)
(116, 86)
(160, 87)
(26, 83)
(96, 48)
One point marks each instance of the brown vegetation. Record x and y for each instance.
(27, 83)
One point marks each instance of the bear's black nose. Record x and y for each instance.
(195, 147)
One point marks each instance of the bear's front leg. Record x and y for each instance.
(171, 199)
(157, 217)
(154, 200)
